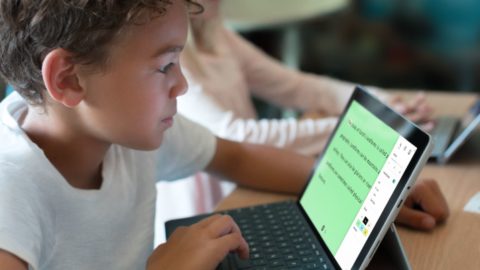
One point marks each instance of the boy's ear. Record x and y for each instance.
(61, 78)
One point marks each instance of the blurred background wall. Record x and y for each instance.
(414, 44)
(408, 44)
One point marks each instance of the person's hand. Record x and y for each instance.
(416, 109)
(425, 207)
(200, 246)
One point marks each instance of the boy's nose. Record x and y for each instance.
(180, 87)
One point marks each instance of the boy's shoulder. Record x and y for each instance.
(19, 157)
(21, 172)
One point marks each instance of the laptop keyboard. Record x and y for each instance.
(278, 237)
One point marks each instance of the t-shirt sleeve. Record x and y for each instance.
(22, 231)
(186, 149)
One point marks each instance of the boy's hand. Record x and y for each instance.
(200, 246)
(416, 109)
(425, 207)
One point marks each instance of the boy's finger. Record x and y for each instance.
(228, 237)
(223, 225)
(233, 242)
(207, 221)
(429, 197)
(416, 219)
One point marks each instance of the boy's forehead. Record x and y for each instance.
(168, 30)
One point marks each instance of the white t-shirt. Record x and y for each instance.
(52, 225)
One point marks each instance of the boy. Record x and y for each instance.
(78, 162)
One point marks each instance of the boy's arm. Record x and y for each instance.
(261, 167)
(8, 261)
(272, 169)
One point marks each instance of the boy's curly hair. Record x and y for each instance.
(30, 29)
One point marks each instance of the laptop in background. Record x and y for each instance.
(350, 201)
(450, 133)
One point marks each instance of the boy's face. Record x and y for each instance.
(133, 101)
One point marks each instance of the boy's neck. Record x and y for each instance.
(77, 157)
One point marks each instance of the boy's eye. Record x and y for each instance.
(166, 68)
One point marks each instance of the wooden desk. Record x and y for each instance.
(453, 245)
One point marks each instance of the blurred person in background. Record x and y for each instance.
(224, 71)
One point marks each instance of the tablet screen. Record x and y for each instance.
(354, 181)
(359, 177)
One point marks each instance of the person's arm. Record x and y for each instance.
(271, 169)
(8, 261)
(206, 243)
(306, 136)
(261, 167)
(271, 80)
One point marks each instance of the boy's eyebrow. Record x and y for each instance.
(170, 49)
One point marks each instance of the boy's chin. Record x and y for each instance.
(147, 145)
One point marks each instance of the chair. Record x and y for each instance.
(3, 90)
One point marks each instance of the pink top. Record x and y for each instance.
(221, 85)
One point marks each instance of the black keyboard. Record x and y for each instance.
(278, 237)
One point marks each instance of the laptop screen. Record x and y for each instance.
(469, 124)
(355, 179)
